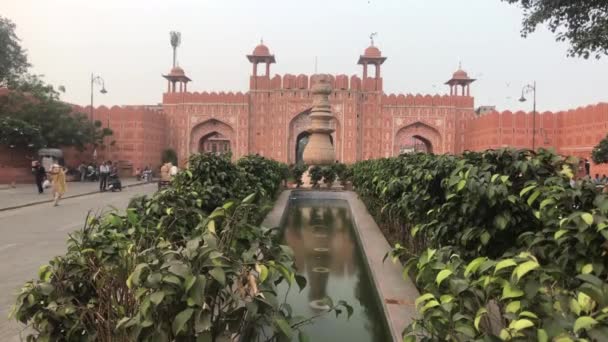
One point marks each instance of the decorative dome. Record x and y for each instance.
(177, 71)
(261, 50)
(460, 75)
(372, 52)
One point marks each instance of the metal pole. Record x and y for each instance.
(91, 110)
(534, 118)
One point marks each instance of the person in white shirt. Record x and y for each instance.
(104, 172)
(173, 171)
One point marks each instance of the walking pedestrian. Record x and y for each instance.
(39, 175)
(587, 167)
(104, 172)
(57, 183)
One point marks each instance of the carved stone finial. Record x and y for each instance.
(319, 150)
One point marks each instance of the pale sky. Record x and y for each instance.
(127, 43)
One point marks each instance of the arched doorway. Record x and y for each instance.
(298, 136)
(214, 142)
(416, 144)
(302, 141)
(417, 137)
(212, 136)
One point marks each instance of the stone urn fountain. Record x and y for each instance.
(319, 150)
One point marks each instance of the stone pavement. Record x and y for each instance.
(27, 194)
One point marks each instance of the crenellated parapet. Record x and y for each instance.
(205, 97)
(411, 100)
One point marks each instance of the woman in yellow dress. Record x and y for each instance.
(57, 182)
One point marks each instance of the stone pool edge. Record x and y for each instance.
(396, 294)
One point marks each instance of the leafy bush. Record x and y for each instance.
(297, 172)
(498, 242)
(329, 175)
(173, 268)
(343, 172)
(316, 175)
(262, 175)
(599, 154)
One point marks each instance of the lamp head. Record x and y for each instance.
(522, 98)
(103, 90)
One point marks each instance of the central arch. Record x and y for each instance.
(417, 137)
(212, 136)
(298, 136)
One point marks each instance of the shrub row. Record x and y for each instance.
(188, 264)
(500, 244)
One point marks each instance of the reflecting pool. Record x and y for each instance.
(321, 234)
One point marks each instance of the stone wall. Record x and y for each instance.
(573, 132)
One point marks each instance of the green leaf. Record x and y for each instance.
(478, 316)
(474, 265)
(533, 198)
(528, 314)
(485, 238)
(441, 276)
(526, 190)
(509, 291)
(249, 199)
(584, 322)
(461, 185)
(504, 264)
(423, 298)
(588, 268)
(430, 304)
(542, 336)
(219, 275)
(523, 268)
(447, 298)
(301, 281)
(558, 234)
(546, 202)
(513, 307)
(521, 324)
(302, 337)
(283, 326)
(588, 218)
(181, 320)
(157, 297)
(409, 338)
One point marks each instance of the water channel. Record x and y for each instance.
(321, 234)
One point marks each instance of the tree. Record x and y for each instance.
(600, 152)
(13, 58)
(583, 23)
(31, 114)
(32, 117)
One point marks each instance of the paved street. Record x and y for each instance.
(24, 194)
(31, 236)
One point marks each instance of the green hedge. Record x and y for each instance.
(188, 264)
(499, 243)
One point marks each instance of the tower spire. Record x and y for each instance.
(371, 37)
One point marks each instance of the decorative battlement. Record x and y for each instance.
(205, 97)
(427, 100)
(591, 113)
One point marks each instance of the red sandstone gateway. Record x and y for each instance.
(272, 119)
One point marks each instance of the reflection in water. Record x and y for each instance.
(320, 232)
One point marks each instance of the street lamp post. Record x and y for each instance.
(526, 90)
(99, 81)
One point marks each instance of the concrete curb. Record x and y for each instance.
(72, 196)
